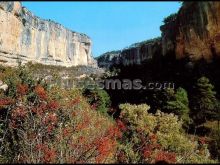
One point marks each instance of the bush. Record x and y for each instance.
(53, 126)
(154, 138)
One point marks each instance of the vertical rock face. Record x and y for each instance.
(109, 58)
(140, 52)
(25, 37)
(195, 33)
(132, 55)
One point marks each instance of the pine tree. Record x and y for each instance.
(204, 101)
(179, 105)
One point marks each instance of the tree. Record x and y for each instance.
(204, 100)
(170, 18)
(179, 105)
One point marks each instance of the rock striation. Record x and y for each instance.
(25, 37)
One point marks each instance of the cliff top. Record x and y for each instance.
(22, 11)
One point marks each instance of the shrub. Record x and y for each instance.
(38, 125)
(154, 138)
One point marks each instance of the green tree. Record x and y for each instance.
(179, 105)
(204, 101)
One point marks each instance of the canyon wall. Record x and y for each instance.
(192, 33)
(140, 52)
(132, 55)
(25, 37)
(195, 32)
(109, 58)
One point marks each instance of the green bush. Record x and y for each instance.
(152, 138)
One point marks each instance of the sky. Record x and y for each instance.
(110, 25)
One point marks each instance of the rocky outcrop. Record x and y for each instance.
(192, 33)
(140, 52)
(195, 32)
(132, 55)
(25, 37)
(108, 59)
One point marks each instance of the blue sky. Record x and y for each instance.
(110, 25)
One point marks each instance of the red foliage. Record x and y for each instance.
(74, 101)
(153, 138)
(80, 126)
(202, 140)
(49, 154)
(51, 118)
(104, 146)
(19, 112)
(81, 139)
(22, 89)
(74, 113)
(12, 124)
(121, 125)
(121, 156)
(66, 132)
(40, 109)
(114, 132)
(168, 157)
(6, 101)
(53, 105)
(147, 153)
(50, 128)
(40, 91)
(93, 106)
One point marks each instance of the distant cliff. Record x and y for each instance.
(108, 59)
(134, 54)
(192, 33)
(25, 37)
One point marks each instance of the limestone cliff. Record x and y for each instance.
(195, 32)
(192, 33)
(25, 37)
(134, 54)
(108, 59)
(140, 52)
